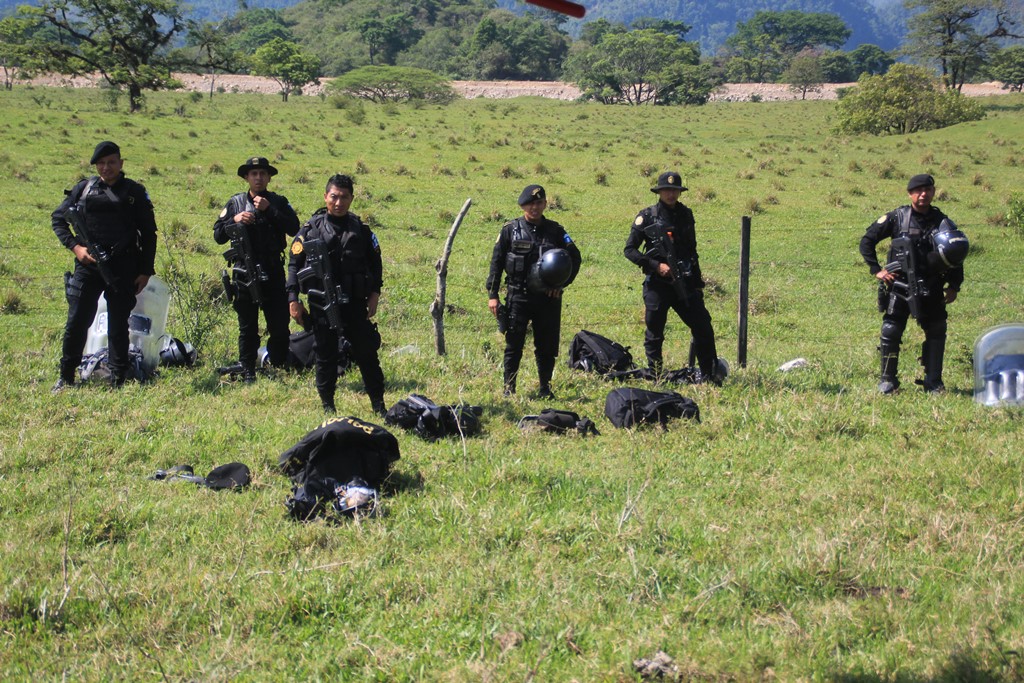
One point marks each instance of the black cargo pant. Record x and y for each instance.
(546, 315)
(659, 299)
(932, 320)
(275, 313)
(362, 334)
(83, 290)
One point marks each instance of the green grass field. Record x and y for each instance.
(806, 529)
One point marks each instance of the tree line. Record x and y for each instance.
(136, 45)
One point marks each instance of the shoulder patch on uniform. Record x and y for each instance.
(373, 240)
(297, 246)
(224, 212)
(568, 240)
(882, 219)
(639, 220)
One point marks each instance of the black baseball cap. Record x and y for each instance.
(920, 180)
(105, 148)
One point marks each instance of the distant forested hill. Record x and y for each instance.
(878, 22)
(715, 20)
(211, 10)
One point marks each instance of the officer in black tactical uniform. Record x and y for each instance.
(120, 247)
(671, 219)
(268, 218)
(350, 297)
(938, 250)
(520, 251)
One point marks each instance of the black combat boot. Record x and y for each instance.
(509, 385)
(932, 354)
(248, 373)
(545, 370)
(888, 383)
(61, 385)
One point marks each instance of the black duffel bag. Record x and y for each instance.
(627, 407)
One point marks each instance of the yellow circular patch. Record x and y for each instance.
(297, 247)
(882, 219)
(639, 220)
(224, 212)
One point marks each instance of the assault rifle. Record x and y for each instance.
(660, 237)
(330, 297)
(250, 274)
(914, 288)
(75, 216)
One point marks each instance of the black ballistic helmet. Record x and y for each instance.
(551, 271)
(950, 244)
(176, 353)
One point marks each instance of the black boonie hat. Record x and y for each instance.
(669, 180)
(105, 148)
(920, 180)
(253, 163)
(531, 193)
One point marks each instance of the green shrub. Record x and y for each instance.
(907, 99)
(393, 84)
(1015, 214)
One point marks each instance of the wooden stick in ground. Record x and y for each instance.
(437, 307)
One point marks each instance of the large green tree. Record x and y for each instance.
(504, 46)
(805, 73)
(125, 41)
(393, 84)
(16, 57)
(950, 35)
(1007, 66)
(287, 63)
(906, 99)
(870, 59)
(386, 36)
(639, 67)
(763, 46)
(208, 48)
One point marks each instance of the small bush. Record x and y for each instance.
(1015, 214)
(12, 304)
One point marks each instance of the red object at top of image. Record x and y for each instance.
(564, 6)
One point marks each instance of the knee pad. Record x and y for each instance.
(892, 333)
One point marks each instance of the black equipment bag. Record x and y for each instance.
(96, 366)
(559, 422)
(627, 407)
(431, 421)
(592, 352)
(302, 352)
(342, 448)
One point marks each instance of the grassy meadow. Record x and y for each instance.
(805, 529)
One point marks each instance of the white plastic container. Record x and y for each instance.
(146, 324)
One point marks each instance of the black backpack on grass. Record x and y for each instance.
(627, 407)
(342, 449)
(592, 352)
(559, 422)
(431, 421)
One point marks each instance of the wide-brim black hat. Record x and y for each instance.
(669, 180)
(253, 163)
